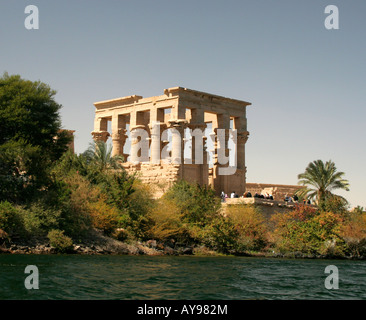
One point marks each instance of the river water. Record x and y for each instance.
(179, 278)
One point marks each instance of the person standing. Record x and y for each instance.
(222, 196)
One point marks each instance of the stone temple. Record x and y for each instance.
(177, 150)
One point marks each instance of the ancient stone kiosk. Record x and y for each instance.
(165, 138)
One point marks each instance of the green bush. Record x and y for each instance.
(315, 235)
(335, 204)
(198, 204)
(38, 219)
(10, 219)
(59, 241)
(75, 218)
(250, 226)
(166, 223)
(220, 235)
(69, 164)
(121, 234)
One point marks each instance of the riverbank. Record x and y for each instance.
(96, 243)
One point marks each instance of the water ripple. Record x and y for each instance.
(192, 278)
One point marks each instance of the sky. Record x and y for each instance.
(306, 83)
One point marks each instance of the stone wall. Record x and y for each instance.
(278, 191)
(159, 176)
(267, 207)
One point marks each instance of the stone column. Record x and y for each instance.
(134, 146)
(242, 138)
(197, 125)
(118, 134)
(198, 136)
(223, 122)
(155, 125)
(134, 138)
(221, 153)
(118, 141)
(155, 143)
(177, 127)
(164, 143)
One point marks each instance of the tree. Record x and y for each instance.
(30, 135)
(28, 112)
(100, 155)
(319, 181)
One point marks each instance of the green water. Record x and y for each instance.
(191, 278)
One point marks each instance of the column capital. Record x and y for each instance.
(153, 125)
(100, 135)
(137, 127)
(120, 135)
(242, 137)
(177, 123)
(194, 126)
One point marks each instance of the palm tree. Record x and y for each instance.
(100, 154)
(320, 179)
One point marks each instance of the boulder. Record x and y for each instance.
(187, 250)
(169, 250)
(151, 244)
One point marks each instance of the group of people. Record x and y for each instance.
(263, 196)
(267, 196)
(246, 194)
(295, 199)
(225, 196)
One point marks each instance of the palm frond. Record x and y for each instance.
(100, 154)
(321, 178)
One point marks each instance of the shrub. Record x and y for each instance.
(197, 204)
(38, 219)
(140, 201)
(59, 241)
(250, 226)
(75, 210)
(117, 185)
(220, 235)
(130, 197)
(121, 234)
(334, 203)
(353, 231)
(318, 234)
(103, 215)
(302, 212)
(166, 222)
(69, 164)
(10, 219)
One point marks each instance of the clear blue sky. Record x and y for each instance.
(306, 83)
